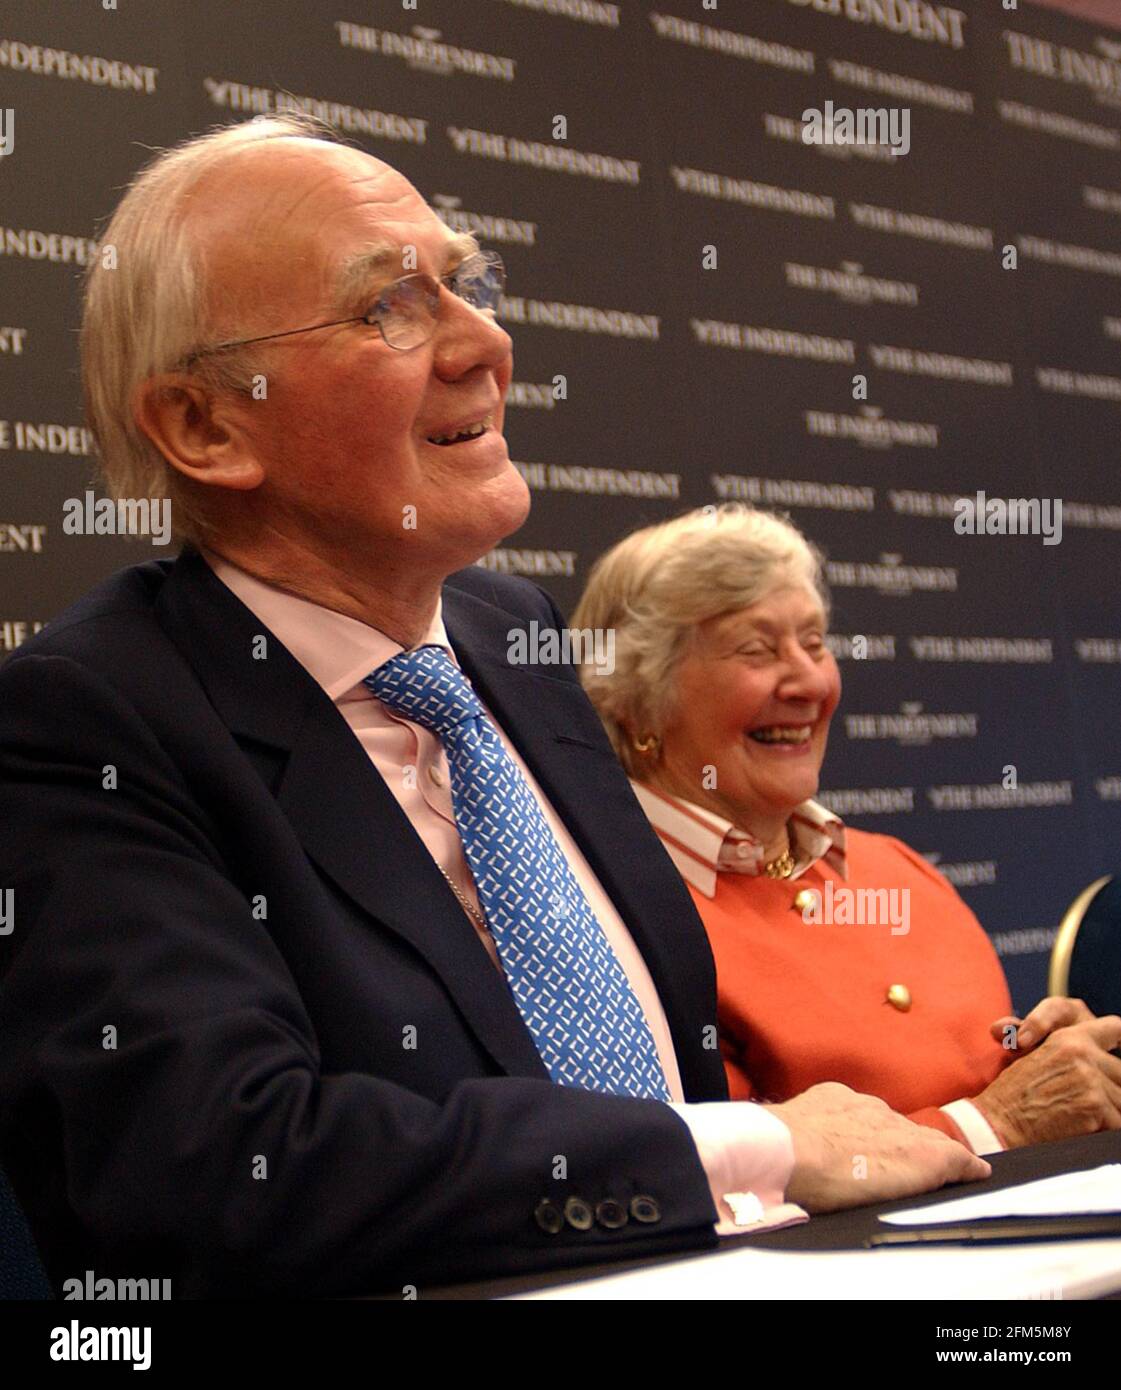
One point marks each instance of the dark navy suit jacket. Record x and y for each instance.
(225, 929)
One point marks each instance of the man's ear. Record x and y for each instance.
(196, 430)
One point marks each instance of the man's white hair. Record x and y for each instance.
(147, 308)
(654, 589)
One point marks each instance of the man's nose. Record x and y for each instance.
(467, 337)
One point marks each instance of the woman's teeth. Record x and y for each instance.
(777, 733)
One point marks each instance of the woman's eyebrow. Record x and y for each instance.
(753, 627)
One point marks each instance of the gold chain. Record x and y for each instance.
(472, 910)
(783, 865)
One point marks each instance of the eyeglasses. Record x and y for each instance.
(405, 311)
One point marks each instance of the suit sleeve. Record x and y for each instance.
(160, 1070)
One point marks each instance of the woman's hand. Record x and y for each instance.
(1066, 1085)
(1056, 1011)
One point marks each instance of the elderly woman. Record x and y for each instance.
(719, 705)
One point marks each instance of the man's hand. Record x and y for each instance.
(851, 1149)
(1056, 1011)
(1067, 1085)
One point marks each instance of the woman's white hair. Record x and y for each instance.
(147, 308)
(656, 586)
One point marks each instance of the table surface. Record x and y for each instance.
(843, 1230)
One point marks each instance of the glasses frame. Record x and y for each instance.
(491, 260)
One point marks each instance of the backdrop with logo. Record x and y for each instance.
(704, 307)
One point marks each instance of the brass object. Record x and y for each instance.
(1058, 976)
(782, 867)
(899, 997)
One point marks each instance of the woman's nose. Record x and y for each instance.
(805, 675)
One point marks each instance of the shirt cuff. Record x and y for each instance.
(748, 1156)
(979, 1134)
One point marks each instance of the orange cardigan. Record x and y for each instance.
(800, 1003)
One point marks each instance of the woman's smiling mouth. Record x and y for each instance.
(782, 735)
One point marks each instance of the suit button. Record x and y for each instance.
(611, 1214)
(646, 1210)
(578, 1214)
(436, 775)
(805, 897)
(548, 1217)
(899, 997)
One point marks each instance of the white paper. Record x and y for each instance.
(1050, 1270)
(1097, 1190)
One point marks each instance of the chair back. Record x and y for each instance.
(1086, 956)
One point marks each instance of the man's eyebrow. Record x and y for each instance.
(380, 258)
(458, 248)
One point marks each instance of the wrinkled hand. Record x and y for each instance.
(1054, 1012)
(1067, 1085)
(852, 1149)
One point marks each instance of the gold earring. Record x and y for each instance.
(649, 744)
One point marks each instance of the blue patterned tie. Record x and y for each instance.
(573, 995)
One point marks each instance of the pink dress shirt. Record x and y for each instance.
(747, 1152)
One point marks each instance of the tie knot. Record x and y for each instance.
(426, 686)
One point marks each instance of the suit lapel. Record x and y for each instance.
(352, 827)
(346, 818)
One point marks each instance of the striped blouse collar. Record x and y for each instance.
(703, 844)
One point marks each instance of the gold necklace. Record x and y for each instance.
(472, 910)
(783, 865)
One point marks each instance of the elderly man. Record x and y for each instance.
(343, 957)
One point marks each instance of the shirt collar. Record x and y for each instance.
(337, 651)
(703, 844)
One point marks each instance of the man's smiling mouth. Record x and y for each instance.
(462, 433)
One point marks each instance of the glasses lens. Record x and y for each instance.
(480, 280)
(406, 311)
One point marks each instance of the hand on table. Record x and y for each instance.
(852, 1149)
